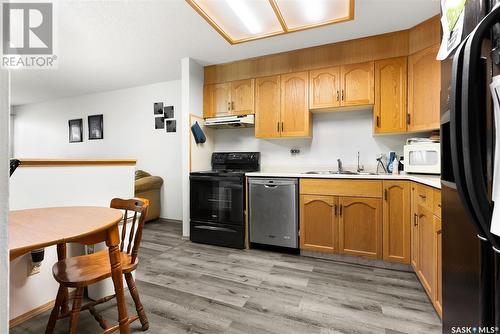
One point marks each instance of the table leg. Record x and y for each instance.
(112, 241)
(61, 255)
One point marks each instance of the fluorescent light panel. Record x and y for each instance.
(300, 14)
(239, 20)
(245, 20)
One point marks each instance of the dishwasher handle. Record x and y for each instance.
(272, 183)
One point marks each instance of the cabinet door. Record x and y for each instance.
(396, 213)
(242, 97)
(222, 99)
(357, 84)
(208, 101)
(424, 85)
(427, 267)
(438, 294)
(414, 229)
(390, 95)
(318, 223)
(360, 226)
(295, 115)
(324, 88)
(267, 107)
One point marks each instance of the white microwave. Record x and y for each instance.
(422, 158)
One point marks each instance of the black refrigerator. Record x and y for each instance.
(471, 264)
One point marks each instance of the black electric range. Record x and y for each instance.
(217, 199)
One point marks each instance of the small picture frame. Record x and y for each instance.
(171, 125)
(159, 123)
(168, 112)
(96, 127)
(158, 108)
(75, 130)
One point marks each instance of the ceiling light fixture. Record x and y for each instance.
(314, 10)
(245, 14)
(265, 18)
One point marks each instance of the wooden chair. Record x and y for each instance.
(81, 271)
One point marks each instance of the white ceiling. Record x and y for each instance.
(107, 45)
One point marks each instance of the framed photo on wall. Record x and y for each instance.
(96, 127)
(75, 130)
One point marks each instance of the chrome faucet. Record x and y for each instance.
(360, 167)
(339, 164)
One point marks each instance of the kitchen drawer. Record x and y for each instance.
(437, 202)
(344, 187)
(424, 197)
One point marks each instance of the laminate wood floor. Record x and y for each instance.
(194, 288)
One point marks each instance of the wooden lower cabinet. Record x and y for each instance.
(438, 293)
(426, 242)
(319, 223)
(396, 226)
(360, 226)
(426, 270)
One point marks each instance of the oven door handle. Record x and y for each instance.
(214, 228)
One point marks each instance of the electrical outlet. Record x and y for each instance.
(33, 269)
(294, 151)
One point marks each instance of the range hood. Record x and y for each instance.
(245, 121)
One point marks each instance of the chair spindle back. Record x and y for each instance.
(138, 206)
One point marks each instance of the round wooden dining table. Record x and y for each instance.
(32, 229)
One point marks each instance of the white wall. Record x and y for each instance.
(4, 200)
(41, 130)
(192, 103)
(335, 135)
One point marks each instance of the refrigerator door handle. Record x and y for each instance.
(472, 103)
(456, 145)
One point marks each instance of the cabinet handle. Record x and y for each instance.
(335, 209)
(342, 95)
(415, 220)
(422, 196)
(386, 194)
(378, 121)
(338, 95)
(232, 105)
(408, 119)
(281, 126)
(229, 106)
(340, 210)
(278, 126)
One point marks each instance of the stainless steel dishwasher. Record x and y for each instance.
(273, 211)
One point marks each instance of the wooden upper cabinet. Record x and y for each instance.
(267, 107)
(360, 226)
(424, 82)
(390, 95)
(396, 216)
(230, 98)
(318, 223)
(208, 101)
(324, 88)
(357, 84)
(222, 99)
(295, 115)
(242, 97)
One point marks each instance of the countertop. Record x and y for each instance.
(429, 180)
(28, 162)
